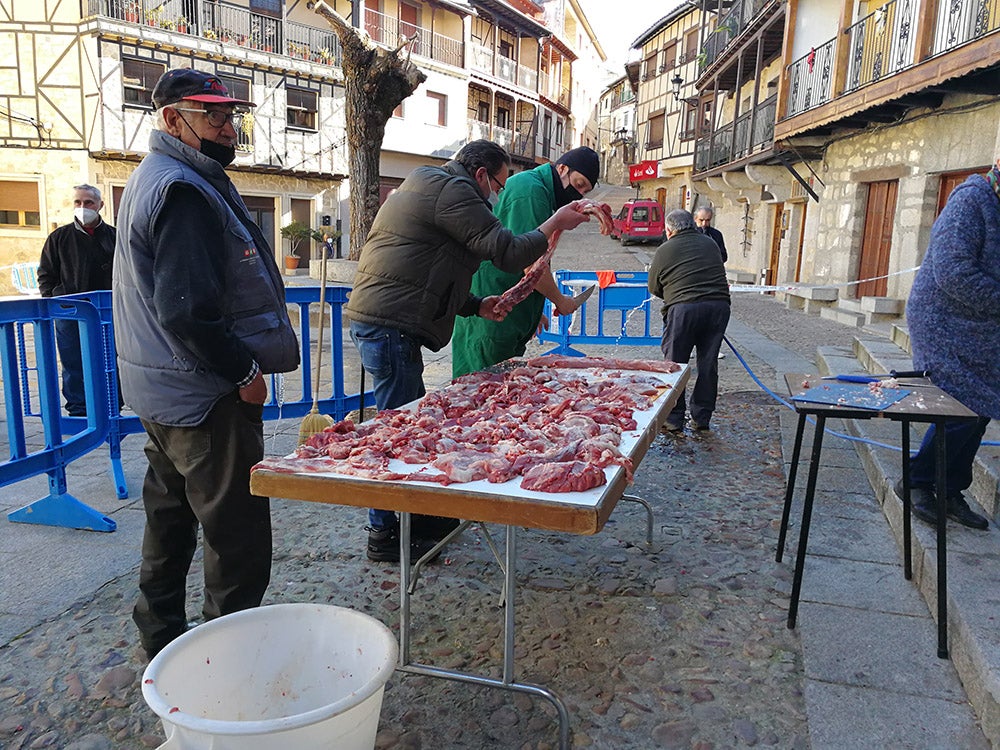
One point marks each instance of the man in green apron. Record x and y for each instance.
(528, 199)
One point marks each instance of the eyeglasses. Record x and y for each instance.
(217, 118)
(496, 182)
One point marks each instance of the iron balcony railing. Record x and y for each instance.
(389, 31)
(963, 21)
(750, 133)
(486, 61)
(729, 27)
(231, 24)
(811, 78)
(881, 43)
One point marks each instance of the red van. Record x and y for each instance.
(640, 220)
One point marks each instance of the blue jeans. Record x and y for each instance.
(71, 358)
(962, 441)
(396, 365)
(696, 326)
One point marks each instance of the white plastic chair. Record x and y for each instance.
(24, 276)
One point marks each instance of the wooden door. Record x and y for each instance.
(777, 232)
(800, 242)
(409, 20)
(373, 20)
(950, 181)
(880, 214)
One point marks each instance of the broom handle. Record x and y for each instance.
(322, 319)
(361, 397)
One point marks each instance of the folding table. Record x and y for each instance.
(925, 403)
(482, 502)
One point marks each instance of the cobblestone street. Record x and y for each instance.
(681, 644)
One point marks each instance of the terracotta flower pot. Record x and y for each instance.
(291, 261)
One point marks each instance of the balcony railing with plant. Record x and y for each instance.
(811, 78)
(389, 30)
(881, 44)
(226, 23)
(750, 133)
(729, 27)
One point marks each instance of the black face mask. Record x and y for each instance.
(217, 152)
(224, 155)
(563, 195)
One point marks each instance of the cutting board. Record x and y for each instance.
(851, 395)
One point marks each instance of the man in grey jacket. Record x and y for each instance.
(688, 275)
(200, 317)
(414, 277)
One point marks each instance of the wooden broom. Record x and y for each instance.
(314, 422)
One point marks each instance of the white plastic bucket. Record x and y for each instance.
(286, 677)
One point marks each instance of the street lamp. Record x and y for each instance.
(677, 82)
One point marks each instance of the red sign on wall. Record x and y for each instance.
(644, 170)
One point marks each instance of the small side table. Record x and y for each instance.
(926, 403)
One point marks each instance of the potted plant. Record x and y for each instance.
(296, 233)
(182, 24)
(132, 12)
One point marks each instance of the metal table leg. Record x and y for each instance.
(800, 558)
(940, 445)
(507, 682)
(907, 502)
(790, 487)
(649, 515)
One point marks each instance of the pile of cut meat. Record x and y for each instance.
(555, 427)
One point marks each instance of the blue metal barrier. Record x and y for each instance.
(17, 319)
(31, 389)
(627, 302)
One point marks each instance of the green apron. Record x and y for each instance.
(526, 202)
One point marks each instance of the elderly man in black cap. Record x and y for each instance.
(200, 317)
(528, 199)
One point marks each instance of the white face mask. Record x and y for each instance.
(85, 216)
(493, 198)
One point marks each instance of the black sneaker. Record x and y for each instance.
(383, 545)
(959, 510)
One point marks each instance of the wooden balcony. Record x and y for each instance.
(729, 28)
(751, 134)
(903, 55)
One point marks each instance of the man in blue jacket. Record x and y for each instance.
(200, 318)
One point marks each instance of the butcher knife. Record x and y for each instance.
(585, 294)
(877, 378)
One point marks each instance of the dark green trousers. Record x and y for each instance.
(200, 476)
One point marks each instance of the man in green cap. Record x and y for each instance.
(528, 199)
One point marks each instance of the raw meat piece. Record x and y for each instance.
(566, 476)
(526, 284)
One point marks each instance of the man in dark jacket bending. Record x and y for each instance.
(413, 279)
(688, 275)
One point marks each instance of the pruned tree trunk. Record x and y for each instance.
(376, 81)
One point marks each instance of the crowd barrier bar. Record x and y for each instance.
(31, 389)
(17, 318)
(625, 299)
